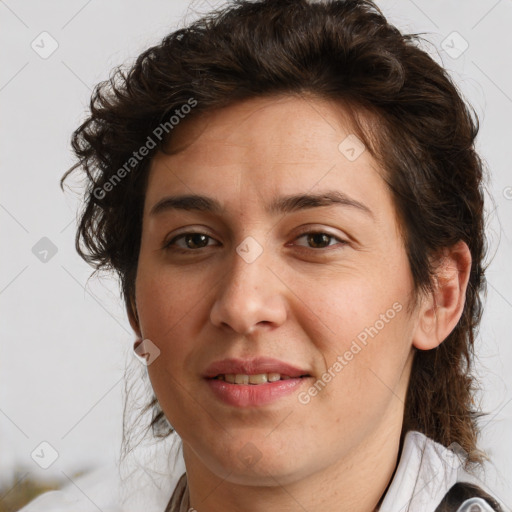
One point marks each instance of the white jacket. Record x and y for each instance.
(145, 482)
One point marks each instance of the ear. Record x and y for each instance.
(441, 310)
(131, 310)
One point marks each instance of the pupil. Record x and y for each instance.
(192, 240)
(319, 239)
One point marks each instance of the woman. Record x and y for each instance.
(290, 195)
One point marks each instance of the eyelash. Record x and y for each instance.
(169, 245)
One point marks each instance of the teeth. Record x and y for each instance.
(241, 379)
(260, 378)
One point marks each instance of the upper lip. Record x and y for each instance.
(254, 366)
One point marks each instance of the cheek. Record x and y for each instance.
(171, 310)
(166, 302)
(360, 325)
(343, 307)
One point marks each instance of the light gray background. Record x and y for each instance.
(65, 342)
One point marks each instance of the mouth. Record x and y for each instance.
(254, 379)
(255, 390)
(254, 383)
(256, 371)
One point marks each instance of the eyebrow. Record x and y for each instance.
(280, 205)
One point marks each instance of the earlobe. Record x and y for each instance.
(440, 310)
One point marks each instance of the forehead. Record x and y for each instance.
(261, 147)
(297, 124)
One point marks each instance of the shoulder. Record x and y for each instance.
(144, 481)
(84, 494)
(466, 497)
(428, 473)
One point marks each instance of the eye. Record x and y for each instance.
(189, 242)
(320, 239)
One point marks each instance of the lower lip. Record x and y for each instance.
(253, 395)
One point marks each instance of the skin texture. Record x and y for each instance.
(302, 301)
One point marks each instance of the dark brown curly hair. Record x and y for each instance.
(404, 106)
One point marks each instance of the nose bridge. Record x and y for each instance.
(249, 294)
(248, 269)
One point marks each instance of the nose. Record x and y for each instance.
(249, 297)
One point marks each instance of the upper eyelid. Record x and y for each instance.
(303, 230)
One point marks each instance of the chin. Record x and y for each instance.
(263, 466)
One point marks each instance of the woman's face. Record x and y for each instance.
(292, 265)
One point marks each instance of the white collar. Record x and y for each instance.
(425, 473)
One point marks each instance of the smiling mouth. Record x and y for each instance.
(260, 378)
